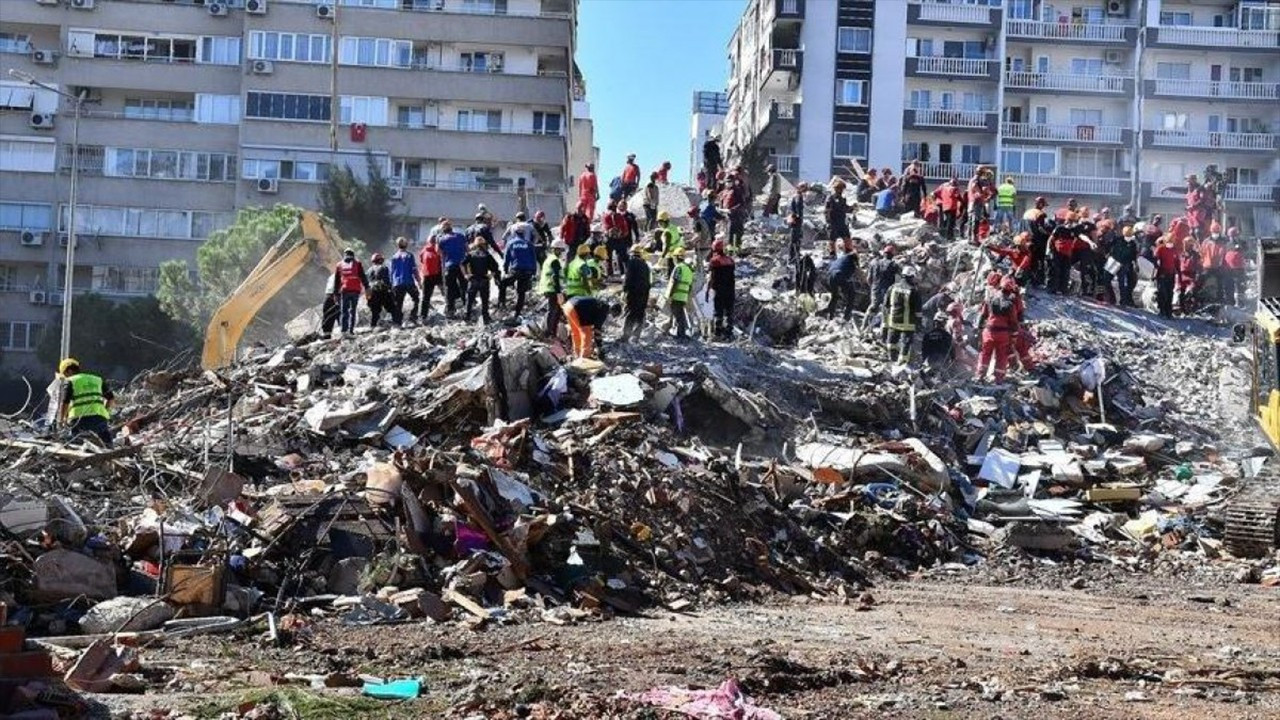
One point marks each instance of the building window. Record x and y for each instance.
(1084, 116)
(20, 335)
(220, 50)
(414, 173)
(853, 40)
(1090, 162)
(375, 52)
(1174, 121)
(1175, 19)
(170, 164)
(142, 222)
(971, 154)
(218, 109)
(850, 145)
(25, 216)
(19, 43)
(480, 62)
(146, 48)
(361, 109)
(171, 110)
(480, 120)
(1245, 74)
(126, 280)
(26, 156)
(16, 97)
(547, 123)
(297, 171)
(851, 92)
(1090, 67)
(289, 47)
(287, 106)
(1029, 161)
(1173, 71)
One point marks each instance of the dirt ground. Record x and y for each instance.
(1147, 648)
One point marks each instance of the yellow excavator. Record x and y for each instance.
(309, 239)
(1252, 518)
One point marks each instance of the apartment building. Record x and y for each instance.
(193, 108)
(1109, 101)
(709, 111)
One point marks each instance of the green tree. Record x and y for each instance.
(361, 210)
(222, 263)
(119, 339)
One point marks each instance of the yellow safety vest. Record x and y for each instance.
(900, 308)
(575, 284)
(1006, 196)
(682, 283)
(87, 399)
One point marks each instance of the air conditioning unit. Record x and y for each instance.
(42, 121)
(64, 238)
(55, 299)
(324, 12)
(38, 297)
(40, 56)
(1113, 57)
(82, 4)
(263, 67)
(1117, 7)
(217, 9)
(32, 238)
(269, 186)
(255, 7)
(397, 192)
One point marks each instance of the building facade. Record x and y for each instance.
(708, 113)
(1110, 101)
(193, 109)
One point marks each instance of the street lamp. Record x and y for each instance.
(76, 102)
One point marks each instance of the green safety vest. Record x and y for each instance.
(682, 283)
(550, 271)
(87, 399)
(1006, 194)
(675, 240)
(575, 284)
(900, 308)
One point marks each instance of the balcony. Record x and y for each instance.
(946, 171)
(785, 67)
(1213, 37)
(1065, 81)
(933, 12)
(788, 10)
(1215, 141)
(786, 165)
(459, 199)
(1035, 30)
(936, 117)
(1064, 185)
(1085, 134)
(975, 68)
(1266, 194)
(1214, 90)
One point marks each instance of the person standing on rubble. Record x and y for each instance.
(379, 290)
(542, 237)
(329, 309)
(773, 192)
(978, 195)
(1212, 249)
(519, 262)
(636, 284)
(1036, 221)
(1233, 268)
(586, 317)
(679, 288)
(1188, 275)
(733, 205)
(999, 322)
(795, 223)
(453, 251)
(1006, 201)
(352, 282)
(431, 266)
(912, 189)
(575, 229)
(621, 232)
(404, 281)
(1019, 257)
(841, 276)
(588, 193)
(630, 177)
(551, 285)
(86, 403)
(578, 274)
(478, 268)
(662, 173)
(948, 196)
(721, 282)
(1124, 251)
(672, 241)
(1062, 245)
(711, 160)
(652, 198)
(903, 315)
(882, 273)
(482, 229)
(836, 213)
(1168, 263)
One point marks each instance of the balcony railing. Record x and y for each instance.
(1062, 133)
(1215, 37)
(506, 129)
(947, 117)
(790, 8)
(1213, 140)
(1065, 81)
(786, 164)
(1250, 193)
(946, 171)
(175, 116)
(1088, 32)
(786, 59)
(953, 13)
(457, 6)
(965, 67)
(1218, 89)
(1070, 185)
(475, 185)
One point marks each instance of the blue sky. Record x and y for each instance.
(642, 60)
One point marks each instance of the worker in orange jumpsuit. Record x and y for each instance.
(588, 192)
(1212, 250)
(999, 315)
(1188, 277)
(1022, 337)
(1020, 257)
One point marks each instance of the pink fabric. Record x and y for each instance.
(725, 702)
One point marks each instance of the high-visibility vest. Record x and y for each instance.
(675, 240)
(575, 284)
(1006, 195)
(349, 276)
(900, 308)
(550, 271)
(682, 283)
(87, 399)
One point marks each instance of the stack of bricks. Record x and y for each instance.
(24, 674)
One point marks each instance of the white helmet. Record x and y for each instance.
(909, 271)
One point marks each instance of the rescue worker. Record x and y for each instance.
(577, 275)
(380, 294)
(630, 177)
(453, 251)
(636, 285)
(574, 230)
(351, 281)
(551, 285)
(978, 194)
(519, 261)
(478, 268)
(586, 317)
(650, 203)
(672, 240)
(1036, 221)
(542, 237)
(773, 191)
(949, 197)
(903, 315)
(662, 173)
(1212, 250)
(1124, 250)
(912, 188)
(1022, 338)
(886, 201)
(881, 275)
(679, 288)
(1168, 263)
(1006, 201)
(431, 268)
(836, 212)
(86, 402)
(711, 159)
(937, 348)
(999, 324)
(720, 282)
(733, 202)
(706, 219)
(841, 274)
(937, 304)
(1233, 269)
(1019, 257)
(1188, 276)
(482, 229)
(621, 231)
(588, 192)
(404, 281)
(329, 309)
(1063, 245)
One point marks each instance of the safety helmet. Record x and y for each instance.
(349, 253)
(583, 250)
(1041, 201)
(67, 364)
(663, 215)
(377, 258)
(1023, 237)
(601, 252)
(718, 246)
(540, 215)
(521, 216)
(1233, 232)
(1128, 231)
(909, 271)
(559, 245)
(1009, 285)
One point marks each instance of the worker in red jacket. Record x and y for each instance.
(588, 192)
(1188, 276)
(1233, 268)
(1168, 265)
(1022, 337)
(1000, 318)
(1212, 250)
(663, 170)
(1020, 257)
(351, 282)
(431, 266)
(630, 177)
(950, 202)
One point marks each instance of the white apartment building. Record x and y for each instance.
(194, 108)
(709, 111)
(1109, 101)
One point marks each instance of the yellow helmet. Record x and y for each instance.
(583, 250)
(67, 364)
(663, 215)
(602, 252)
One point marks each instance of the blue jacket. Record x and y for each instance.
(709, 213)
(402, 269)
(520, 255)
(885, 199)
(480, 230)
(843, 267)
(453, 248)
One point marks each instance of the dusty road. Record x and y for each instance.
(1144, 649)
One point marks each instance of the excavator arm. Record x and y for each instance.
(309, 239)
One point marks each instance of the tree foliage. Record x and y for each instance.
(118, 339)
(362, 210)
(222, 263)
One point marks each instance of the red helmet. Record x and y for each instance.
(994, 279)
(540, 215)
(718, 246)
(1233, 232)
(377, 258)
(1009, 285)
(888, 250)
(1041, 201)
